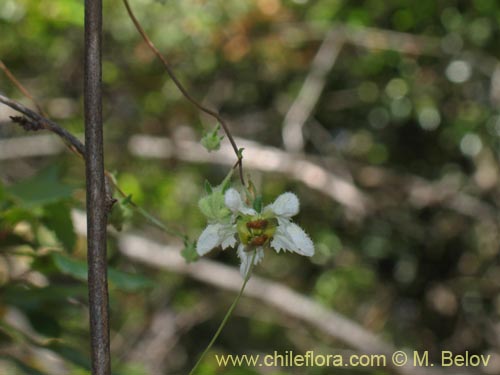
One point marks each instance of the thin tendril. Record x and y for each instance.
(185, 92)
(226, 317)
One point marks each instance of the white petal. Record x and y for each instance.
(246, 258)
(301, 240)
(291, 237)
(232, 199)
(248, 211)
(287, 205)
(282, 241)
(209, 239)
(229, 241)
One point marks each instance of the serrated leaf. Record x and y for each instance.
(57, 217)
(39, 190)
(211, 140)
(213, 206)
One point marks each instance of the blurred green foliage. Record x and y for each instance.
(408, 114)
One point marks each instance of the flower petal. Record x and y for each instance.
(300, 238)
(291, 237)
(282, 241)
(229, 240)
(246, 258)
(286, 205)
(232, 199)
(215, 235)
(208, 239)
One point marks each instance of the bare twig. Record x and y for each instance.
(310, 91)
(186, 94)
(34, 118)
(97, 207)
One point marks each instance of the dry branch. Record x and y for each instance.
(38, 120)
(264, 158)
(310, 92)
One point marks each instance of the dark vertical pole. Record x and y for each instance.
(96, 198)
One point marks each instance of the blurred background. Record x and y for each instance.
(382, 116)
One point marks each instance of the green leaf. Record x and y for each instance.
(189, 252)
(57, 217)
(121, 280)
(208, 187)
(39, 190)
(213, 206)
(127, 281)
(69, 266)
(211, 140)
(120, 213)
(226, 183)
(257, 203)
(15, 214)
(240, 153)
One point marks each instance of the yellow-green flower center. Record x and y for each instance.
(256, 230)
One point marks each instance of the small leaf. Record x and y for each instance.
(189, 252)
(226, 183)
(211, 140)
(240, 153)
(120, 213)
(213, 206)
(57, 217)
(257, 203)
(69, 266)
(208, 187)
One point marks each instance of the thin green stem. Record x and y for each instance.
(227, 316)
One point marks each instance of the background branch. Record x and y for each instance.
(167, 257)
(310, 92)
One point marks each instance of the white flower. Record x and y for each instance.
(289, 236)
(256, 231)
(214, 235)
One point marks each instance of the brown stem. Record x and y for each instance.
(184, 92)
(97, 205)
